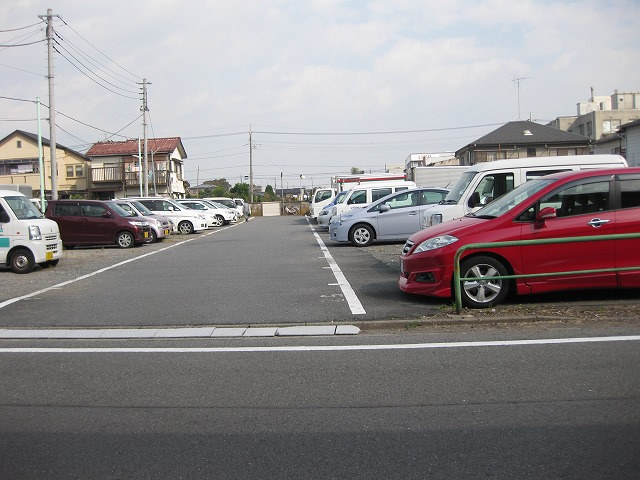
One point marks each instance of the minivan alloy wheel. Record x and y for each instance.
(21, 261)
(484, 291)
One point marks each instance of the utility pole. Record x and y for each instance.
(250, 167)
(145, 109)
(52, 108)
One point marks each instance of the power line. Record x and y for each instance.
(20, 28)
(137, 77)
(92, 73)
(23, 44)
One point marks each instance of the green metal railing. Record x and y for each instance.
(457, 281)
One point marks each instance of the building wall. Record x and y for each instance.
(633, 146)
(596, 124)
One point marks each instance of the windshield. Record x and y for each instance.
(322, 195)
(509, 200)
(459, 188)
(141, 208)
(120, 211)
(23, 208)
(339, 198)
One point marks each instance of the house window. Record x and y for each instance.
(589, 129)
(18, 143)
(610, 126)
(563, 152)
(75, 171)
(531, 151)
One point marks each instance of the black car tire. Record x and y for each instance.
(21, 261)
(125, 239)
(484, 292)
(361, 235)
(185, 227)
(219, 221)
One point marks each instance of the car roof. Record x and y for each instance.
(593, 172)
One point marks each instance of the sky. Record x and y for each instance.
(322, 85)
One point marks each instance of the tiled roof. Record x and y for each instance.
(130, 147)
(512, 133)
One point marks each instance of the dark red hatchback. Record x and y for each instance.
(97, 222)
(570, 204)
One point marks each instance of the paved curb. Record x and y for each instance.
(194, 332)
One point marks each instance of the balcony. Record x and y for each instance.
(117, 175)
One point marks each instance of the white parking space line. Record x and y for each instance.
(349, 295)
(88, 275)
(327, 348)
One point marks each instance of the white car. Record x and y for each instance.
(161, 226)
(216, 216)
(227, 202)
(186, 220)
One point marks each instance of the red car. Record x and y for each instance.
(569, 204)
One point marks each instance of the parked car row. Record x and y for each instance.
(27, 238)
(503, 201)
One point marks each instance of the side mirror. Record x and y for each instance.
(474, 200)
(384, 208)
(4, 217)
(547, 213)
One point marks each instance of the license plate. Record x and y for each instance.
(166, 232)
(146, 234)
(401, 266)
(49, 256)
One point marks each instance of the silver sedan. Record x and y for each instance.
(393, 218)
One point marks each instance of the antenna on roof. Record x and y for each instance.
(517, 82)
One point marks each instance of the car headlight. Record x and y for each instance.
(138, 223)
(346, 216)
(200, 216)
(435, 219)
(435, 242)
(334, 212)
(34, 232)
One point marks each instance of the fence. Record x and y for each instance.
(457, 281)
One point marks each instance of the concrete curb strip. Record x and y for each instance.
(195, 332)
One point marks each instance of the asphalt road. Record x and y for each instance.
(268, 270)
(361, 407)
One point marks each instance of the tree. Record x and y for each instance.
(269, 194)
(241, 190)
(218, 182)
(356, 171)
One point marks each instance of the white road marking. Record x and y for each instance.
(326, 348)
(348, 292)
(77, 279)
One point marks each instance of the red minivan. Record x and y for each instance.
(97, 222)
(569, 204)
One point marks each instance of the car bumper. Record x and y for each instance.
(423, 274)
(338, 232)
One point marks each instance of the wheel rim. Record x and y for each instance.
(185, 227)
(361, 236)
(218, 220)
(485, 289)
(21, 262)
(125, 240)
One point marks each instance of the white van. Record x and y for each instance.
(365, 194)
(26, 237)
(484, 182)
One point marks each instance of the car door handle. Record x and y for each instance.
(413, 213)
(597, 223)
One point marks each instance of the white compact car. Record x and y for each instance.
(215, 215)
(161, 226)
(186, 220)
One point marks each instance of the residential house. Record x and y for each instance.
(20, 164)
(521, 139)
(116, 169)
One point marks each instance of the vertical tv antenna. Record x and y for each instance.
(517, 82)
